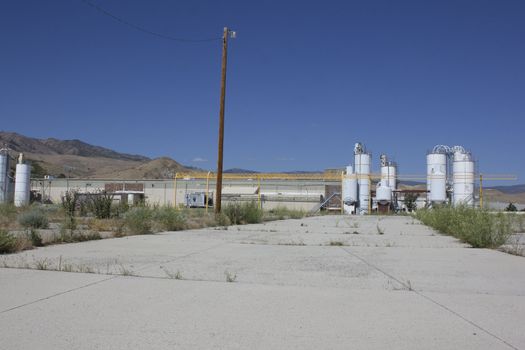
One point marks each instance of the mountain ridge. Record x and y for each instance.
(53, 146)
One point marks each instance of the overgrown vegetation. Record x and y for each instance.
(81, 217)
(243, 213)
(100, 204)
(282, 213)
(169, 219)
(33, 218)
(478, 227)
(138, 220)
(8, 242)
(69, 204)
(410, 201)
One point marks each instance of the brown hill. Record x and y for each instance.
(75, 158)
(51, 146)
(159, 168)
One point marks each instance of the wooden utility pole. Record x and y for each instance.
(218, 189)
(481, 191)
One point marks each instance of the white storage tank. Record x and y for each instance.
(362, 171)
(22, 182)
(4, 178)
(463, 178)
(389, 173)
(349, 190)
(383, 194)
(437, 177)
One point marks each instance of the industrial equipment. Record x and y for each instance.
(450, 176)
(198, 200)
(4, 175)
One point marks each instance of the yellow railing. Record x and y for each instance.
(328, 176)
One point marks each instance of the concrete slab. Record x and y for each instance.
(164, 314)
(20, 287)
(395, 284)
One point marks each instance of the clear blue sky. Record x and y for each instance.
(306, 79)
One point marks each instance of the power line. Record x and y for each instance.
(142, 29)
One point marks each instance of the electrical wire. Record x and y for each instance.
(144, 30)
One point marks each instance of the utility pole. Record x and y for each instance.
(218, 189)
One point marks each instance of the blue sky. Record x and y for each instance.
(306, 79)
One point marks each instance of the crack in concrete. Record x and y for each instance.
(57, 294)
(112, 277)
(444, 307)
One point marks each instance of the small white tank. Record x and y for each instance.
(4, 179)
(463, 179)
(350, 186)
(350, 196)
(383, 194)
(22, 184)
(437, 177)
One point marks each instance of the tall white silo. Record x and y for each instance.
(391, 175)
(463, 178)
(22, 182)
(388, 173)
(437, 177)
(362, 171)
(349, 190)
(388, 181)
(4, 179)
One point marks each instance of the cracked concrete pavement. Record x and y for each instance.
(329, 282)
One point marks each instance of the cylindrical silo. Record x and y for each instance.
(463, 179)
(362, 171)
(22, 183)
(392, 176)
(437, 177)
(4, 179)
(349, 190)
(388, 175)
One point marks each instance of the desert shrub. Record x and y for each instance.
(69, 203)
(119, 210)
(511, 207)
(168, 219)
(138, 221)
(221, 219)
(410, 201)
(7, 216)
(243, 213)
(478, 227)
(35, 238)
(8, 242)
(33, 218)
(7, 210)
(89, 236)
(100, 204)
(282, 212)
(101, 225)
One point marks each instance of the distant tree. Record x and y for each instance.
(410, 201)
(511, 207)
